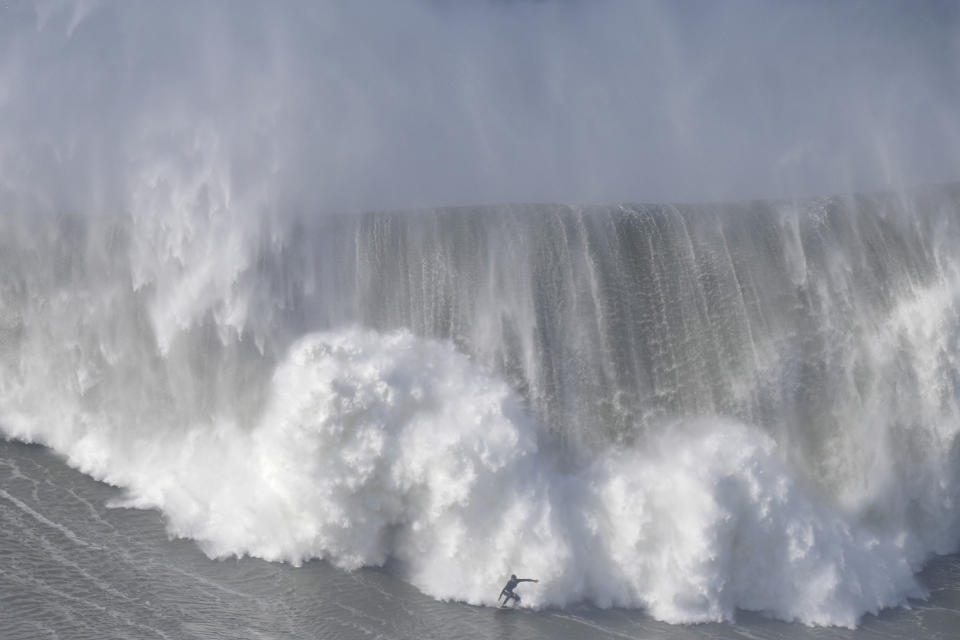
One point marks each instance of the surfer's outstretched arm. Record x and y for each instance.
(507, 592)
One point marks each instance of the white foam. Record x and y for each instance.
(378, 446)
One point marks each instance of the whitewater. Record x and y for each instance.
(687, 410)
(324, 318)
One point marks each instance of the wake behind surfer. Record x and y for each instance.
(507, 593)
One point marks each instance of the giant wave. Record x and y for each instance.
(690, 409)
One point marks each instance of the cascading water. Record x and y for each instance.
(690, 409)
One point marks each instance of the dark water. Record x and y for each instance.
(72, 567)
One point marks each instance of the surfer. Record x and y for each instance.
(507, 593)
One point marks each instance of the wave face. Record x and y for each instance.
(688, 409)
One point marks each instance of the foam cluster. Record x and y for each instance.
(376, 447)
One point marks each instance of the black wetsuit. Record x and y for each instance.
(510, 586)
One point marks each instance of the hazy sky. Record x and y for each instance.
(357, 105)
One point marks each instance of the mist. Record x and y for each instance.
(334, 106)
